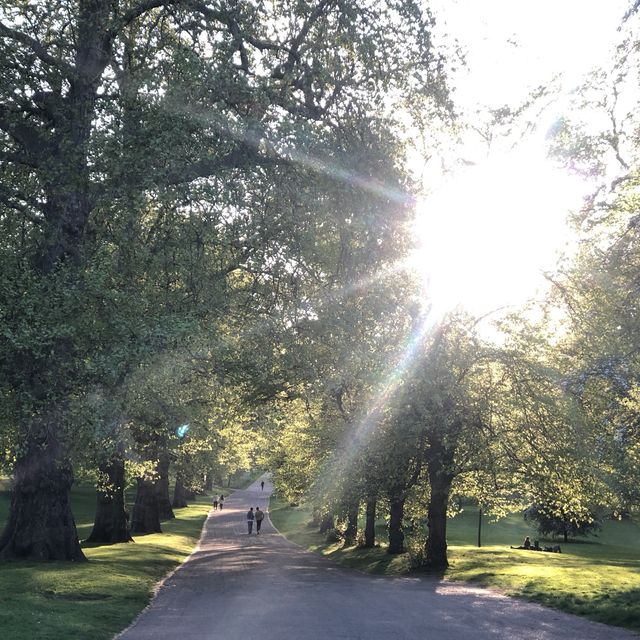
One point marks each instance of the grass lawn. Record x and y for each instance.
(598, 578)
(93, 600)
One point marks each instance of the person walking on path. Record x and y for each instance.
(250, 518)
(259, 519)
(215, 504)
(262, 485)
(221, 502)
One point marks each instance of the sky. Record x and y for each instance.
(488, 230)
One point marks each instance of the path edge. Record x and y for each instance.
(158, 585)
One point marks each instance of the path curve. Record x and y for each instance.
(240, 587)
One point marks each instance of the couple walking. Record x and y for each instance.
(258, 516)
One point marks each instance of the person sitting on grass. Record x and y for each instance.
(525, 545)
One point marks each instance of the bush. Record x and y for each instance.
(416, 548)
(333, 535)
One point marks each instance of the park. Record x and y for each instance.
(319, 319)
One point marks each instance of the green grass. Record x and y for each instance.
(598, 578)
(66, 601)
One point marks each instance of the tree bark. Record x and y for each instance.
(436, 547)
(111, 523)
(41, 525)
(370, 523)
(162, 484)
(479, 526)
(208, 481)
(179, 493)
(146, 510)
(396, 534)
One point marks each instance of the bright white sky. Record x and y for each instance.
(489, 230)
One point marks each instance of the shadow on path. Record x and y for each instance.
(237, 586)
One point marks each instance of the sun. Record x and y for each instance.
(485, 237)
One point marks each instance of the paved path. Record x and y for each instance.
(241, 587)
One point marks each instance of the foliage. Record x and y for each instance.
(569, 523)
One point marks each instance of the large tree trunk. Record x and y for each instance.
(351, 531)
(208, 482)
(370, 523)
(111, 522)
(146, 510)
(179, 493)
(436, 547)
(41, 525)
(164, 501)
(396, 534)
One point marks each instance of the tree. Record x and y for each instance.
(270, 86)
(596, 288)
(568, 524)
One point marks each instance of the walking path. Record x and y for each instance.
(239, 587)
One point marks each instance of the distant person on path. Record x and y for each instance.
(221, 502)
(262, 485)
(259, 519)
(250, 518)
(215, 504)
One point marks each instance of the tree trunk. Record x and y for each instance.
(370, 523)
(479, 526)
(436, 547)
(146, 510)
(162, 484)
(111, 523)
(351, 532)
(208, 481)
(179, 493)
(396, 535)
(40, 524)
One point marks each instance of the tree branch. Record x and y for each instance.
(243, 155)
(304, 31)
(37, 48)
(23, 133)
(19, 202)
(633, 9)
(17, 158)
(135, 12)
